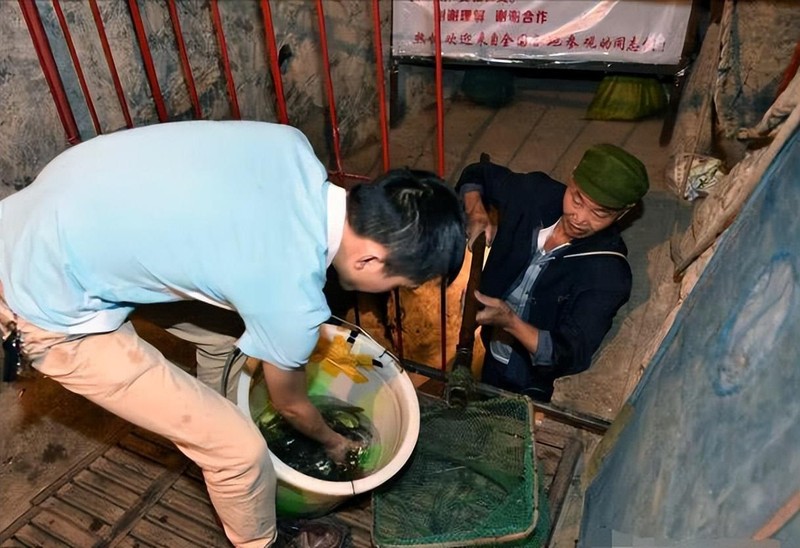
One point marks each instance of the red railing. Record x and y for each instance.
(338, 173)
(50, 69)
(226, 64)
(73, 55)
(112, 67)
(437, 31)
(147, 59)
(186, 68)
(274, 67)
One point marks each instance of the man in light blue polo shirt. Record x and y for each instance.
(235, 214)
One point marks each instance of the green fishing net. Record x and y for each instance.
(471, 480)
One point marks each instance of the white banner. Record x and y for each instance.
(611, 31)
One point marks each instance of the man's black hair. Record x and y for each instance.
(417, 217)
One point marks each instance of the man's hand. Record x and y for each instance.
(339, 449)
(288, 394)
(478, 220)
(495, 312)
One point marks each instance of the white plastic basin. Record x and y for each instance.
(388, 399)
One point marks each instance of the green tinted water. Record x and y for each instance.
(308, 456)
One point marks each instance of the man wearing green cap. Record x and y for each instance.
(557, 272)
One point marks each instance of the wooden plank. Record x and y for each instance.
(547, 481)
(154, 438)
(357, 518)
(144, 503)
(565, 532)
(546, 471)
(356, 514)
(91, 502)
(30, 535)
(106, 488)
(202, 510)
(361, 540)
(194, 471)
(13, 543)
(69, 533)
(191, 488)
(77, 514)
(201, 534)
(156, 452)
(121, 474)
(157, 534)
(361, 536)
(68, 494)
(563, 477)
(136, 463)
(547, 459)
(132, 542)
(550, 438)
(556, 433)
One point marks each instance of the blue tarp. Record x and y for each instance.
(712, 450)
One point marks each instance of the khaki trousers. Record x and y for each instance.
(124, 374)
(212, 330)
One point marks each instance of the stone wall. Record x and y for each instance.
(31, 132)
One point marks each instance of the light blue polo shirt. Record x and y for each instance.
(232, 213)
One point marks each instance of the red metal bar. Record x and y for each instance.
(62, 21)
(275, 69)
(147, 59)
(443, 321)
(381, 84)
(355, 176)
(437, 31)
(184, 57)
(398, 319)
(790, 71)
(376, 19)
(226, 65)
(50, 69)
(101, 31)
(323, 38)
(356, 310)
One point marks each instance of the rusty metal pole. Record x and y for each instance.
(50, 69)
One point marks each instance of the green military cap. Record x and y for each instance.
(611, 177)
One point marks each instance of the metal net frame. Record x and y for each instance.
(471, 481)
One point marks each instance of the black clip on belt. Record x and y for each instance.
(12, 357)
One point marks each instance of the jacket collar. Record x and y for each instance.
(608, 239)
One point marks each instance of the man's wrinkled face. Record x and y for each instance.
(582, 216)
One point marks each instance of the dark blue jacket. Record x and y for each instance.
(575, 296)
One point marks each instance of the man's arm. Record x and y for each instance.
(570, 346)
(287, 392)
(489, 190)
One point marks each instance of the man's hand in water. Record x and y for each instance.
(343, 451)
